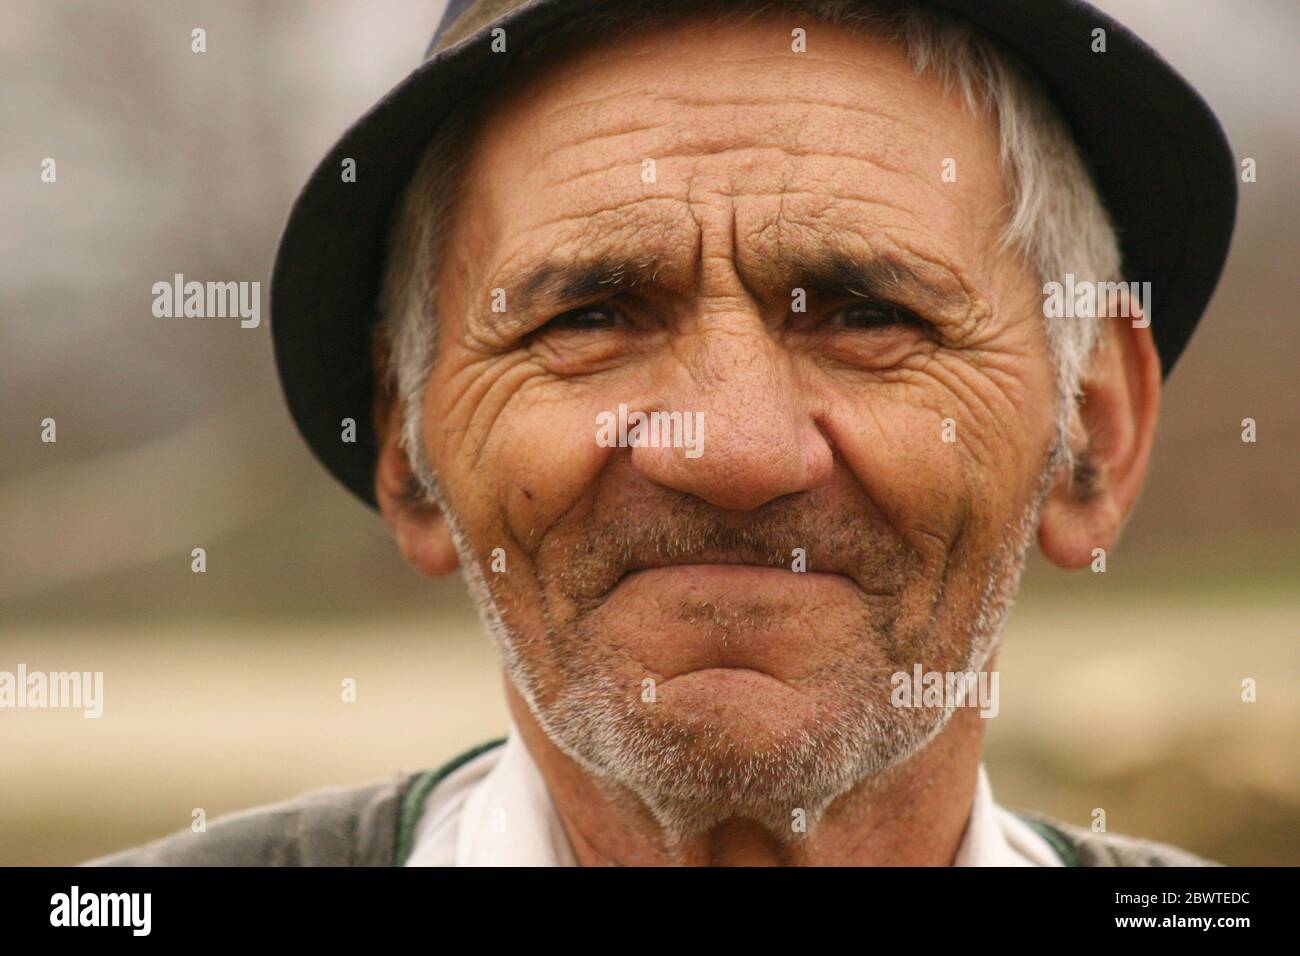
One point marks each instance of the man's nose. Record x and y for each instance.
(758, 437)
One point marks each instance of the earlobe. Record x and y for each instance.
(1076, 521)
(1111, 442)
(418, 525)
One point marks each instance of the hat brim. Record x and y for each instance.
(1159, 157)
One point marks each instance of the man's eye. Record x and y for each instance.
(588, 319)
(869, 316)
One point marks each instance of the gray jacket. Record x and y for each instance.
(373, 825)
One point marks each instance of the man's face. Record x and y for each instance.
(894, 429)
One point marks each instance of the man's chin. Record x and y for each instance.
(743, 707)
(723, 741)
(761, 753)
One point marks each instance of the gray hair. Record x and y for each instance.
(1057, 223)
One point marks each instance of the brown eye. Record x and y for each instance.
(869, 316)
(588, 319)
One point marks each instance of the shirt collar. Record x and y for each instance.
(496, 811)
(509, 819)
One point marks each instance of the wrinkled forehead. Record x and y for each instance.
(613, 146)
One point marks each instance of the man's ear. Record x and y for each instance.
(418, 525)
(1111, 438)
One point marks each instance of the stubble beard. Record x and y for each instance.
(689, 778)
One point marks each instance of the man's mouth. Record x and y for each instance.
(796, 563)
(746, 574)
(695, 614)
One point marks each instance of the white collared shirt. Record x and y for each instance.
(464, 822)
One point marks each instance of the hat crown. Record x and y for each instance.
(464, 17)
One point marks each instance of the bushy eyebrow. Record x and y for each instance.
(885, 277)
(555, 286)
(567, 284)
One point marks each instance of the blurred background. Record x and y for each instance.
(222, 690)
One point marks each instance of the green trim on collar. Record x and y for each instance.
(1060, 842)
(421, 786)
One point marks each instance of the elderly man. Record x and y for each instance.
(736, 353)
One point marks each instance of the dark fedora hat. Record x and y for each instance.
(1171, 189)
